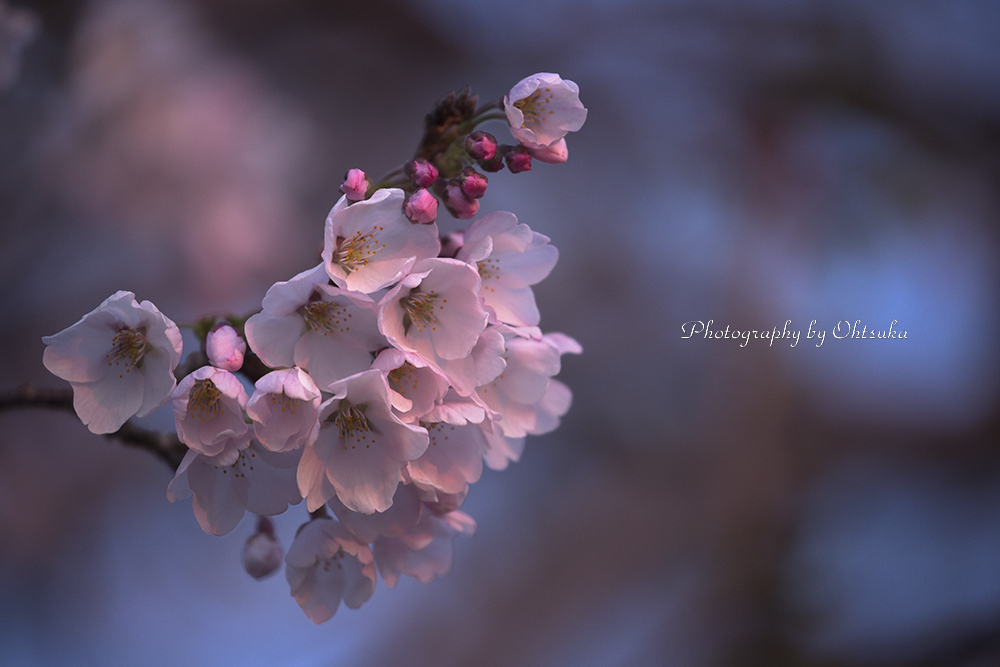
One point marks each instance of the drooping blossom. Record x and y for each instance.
(425, 551)
(510, 258)
(557, 153)
(414, 387)
(208, 411)
(285, 409)
(325, 565)
(308, 323)
(526, 398)
(542, 108)
(119, 358)
(225, 348)
(255, 480)
(361, 448)
(453, 460)
(401, 517)
(372, 244)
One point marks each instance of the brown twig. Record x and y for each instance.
(166, 447)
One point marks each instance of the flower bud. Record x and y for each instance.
(473, 183)
(557, 153)
(421, 207)
(262, 554)
(518, 159)
(491, 166)
(481, 145)
(421, 172)
(458, 203)
(355, 185)
(225, 348)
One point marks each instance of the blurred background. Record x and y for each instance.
(703, 503)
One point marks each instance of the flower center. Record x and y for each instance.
(489, 268)
(205, 401)
(334, 560)
(418, 310)
(533, 106)
(353, 425)
(326, 316)
(355, 252)
(284, 403)
(402, 377)
(127, 348)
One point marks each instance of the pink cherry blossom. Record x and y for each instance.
(255, 480)
(542, 108)
(425, 551)
(325, 565)
(372, 244)
(208, 410)
(361, 448)
(557, 153)
(120, 360)
(285, 409)
(435, 311)
(414, 387)
(225, 348)
(401, 517)
(525, 397)
(306, 322)
(453, 460)
(510, 258)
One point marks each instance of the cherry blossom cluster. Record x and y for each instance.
(374, 385)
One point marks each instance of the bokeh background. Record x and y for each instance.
(748, 162)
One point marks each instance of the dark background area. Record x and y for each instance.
(702, 503)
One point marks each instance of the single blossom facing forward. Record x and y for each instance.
(542, 108)
(308, 323)
(120, 360)
(361, 448)
(372, 244)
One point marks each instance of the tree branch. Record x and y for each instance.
(164, 446)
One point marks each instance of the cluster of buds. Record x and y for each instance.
(384, 378)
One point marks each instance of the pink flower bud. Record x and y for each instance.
(262, 555)
(355, 185)
(421, 207)
(458, 203)
(518, 159)
(557, 153)
(421, 172)
(473, 183)
(481, 145)
(225, 348)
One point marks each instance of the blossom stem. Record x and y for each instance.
(166, 447)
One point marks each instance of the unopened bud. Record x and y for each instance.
(557, 153)
(481, 145)
(421, 207)
(225, 348)
(355, 185)
(473, 183)
(421, 172)
(492, 166)
(262, 553)
(458, 203)
(518, 159)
